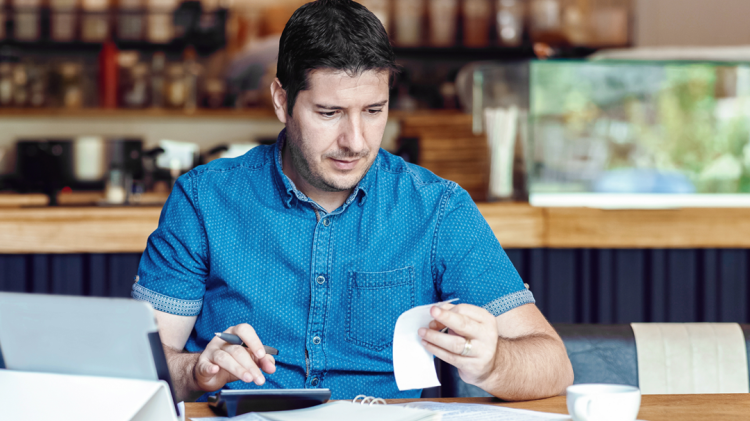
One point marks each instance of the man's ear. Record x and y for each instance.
(278, 96)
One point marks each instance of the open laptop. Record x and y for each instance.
(108, 337)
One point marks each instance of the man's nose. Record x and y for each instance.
(352, 134)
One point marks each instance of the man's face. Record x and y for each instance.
(336, 128)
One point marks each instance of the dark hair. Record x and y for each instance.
(331, 34)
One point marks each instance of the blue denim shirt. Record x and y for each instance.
(238, 243)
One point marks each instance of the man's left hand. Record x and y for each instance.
(470, 344)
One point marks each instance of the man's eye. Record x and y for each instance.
(375, 111)
(328, 113)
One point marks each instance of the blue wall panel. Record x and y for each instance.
(732, 285)
(570, 285)
(102, 275)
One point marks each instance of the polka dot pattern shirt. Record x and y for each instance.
(238, 243)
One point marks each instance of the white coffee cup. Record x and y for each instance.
(603, 402)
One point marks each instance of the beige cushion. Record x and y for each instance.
(676, 358)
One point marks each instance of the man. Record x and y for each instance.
(315, 246)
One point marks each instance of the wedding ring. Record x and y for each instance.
(467, 348)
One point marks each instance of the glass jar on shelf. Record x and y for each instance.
(477, 23)
(175, 87)
(6, 84)
(215, 92)
(159, 23)
(381, 9)
(133, 80)
(2, 20)
(95, 20)
(71, 85)
(27, 20)
(545, 21)
(130, 20)
(576, 18)
(609, 22)
(510, 22)
(63, 20)
(37, 74)
(409, 15)
(158, 63)
(20, 85)
(443, 21)
(193, 72)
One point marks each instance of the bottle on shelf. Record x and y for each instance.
(2, 20)
(133, 80)
(242, 27)
(193, 71)
(576, 20)
(477, 23)
(27, 20)
(6, 84)
(409, 18)
(215, 93)
(63, 23)
(443, 21)
(159, 23)
(545, 22)
(95, 26)
(37, 85)
(130, 20)
(610, 22)
(510, 22)
(71, 85)
(158, 62)
(108, 73)
(20, 85)
(381, 9)
(175, 89)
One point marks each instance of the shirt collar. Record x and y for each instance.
(290, 193)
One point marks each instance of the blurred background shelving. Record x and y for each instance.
(104, 103)
(197, 71)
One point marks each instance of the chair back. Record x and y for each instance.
(599, 353)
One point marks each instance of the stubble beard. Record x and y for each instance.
(303, 157)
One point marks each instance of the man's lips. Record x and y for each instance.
(344, 165)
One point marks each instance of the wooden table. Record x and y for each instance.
(653, 407)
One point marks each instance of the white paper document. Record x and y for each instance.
(181, 409)
(413, 365)
(477, 412)
(340, 411)
(446, 411)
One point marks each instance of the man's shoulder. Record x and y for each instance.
(404, 172)
(255, 159)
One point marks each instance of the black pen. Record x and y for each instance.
(235, 340)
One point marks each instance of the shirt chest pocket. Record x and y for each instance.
(376, 299)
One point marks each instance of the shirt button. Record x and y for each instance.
(321, 279)
(326, 222)
(316, 340)
(314, 381)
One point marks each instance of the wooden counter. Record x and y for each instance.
(76, 230)
(669, 228)
(516, 225)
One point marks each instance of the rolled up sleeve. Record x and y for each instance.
(469, 263)
(173, 269)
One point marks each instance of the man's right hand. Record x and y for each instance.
(221, 363)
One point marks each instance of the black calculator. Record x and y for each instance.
(232, 402)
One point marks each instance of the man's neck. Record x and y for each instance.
(330, 201)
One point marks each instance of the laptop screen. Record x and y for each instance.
(108, 337)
